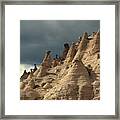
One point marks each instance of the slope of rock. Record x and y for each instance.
(73, 76)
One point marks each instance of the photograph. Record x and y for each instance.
(60, 54)
(59, 60)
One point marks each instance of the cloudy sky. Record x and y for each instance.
(37, 36)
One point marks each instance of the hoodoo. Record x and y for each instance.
(66, 48)
(82, 47)
(47, 61)
(75, 75)
(71, 53)
(72, 85)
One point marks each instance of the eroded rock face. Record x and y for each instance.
(73, 76)
(71, 53)
(96, 89)
(69, 86)
(55, 62)
(46, 64)
(82, 47)
(24, 76)
(66, 48)
(27, 91)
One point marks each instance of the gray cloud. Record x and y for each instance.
(37, 36)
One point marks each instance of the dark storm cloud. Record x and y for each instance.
(38, 36)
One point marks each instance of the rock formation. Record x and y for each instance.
(47, 61)
(75, 75)
(71, 53)
(74, 85)
(66, 48)
(35, 68)
(24, 76)
(82, 47)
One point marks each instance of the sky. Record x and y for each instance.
(37, 36)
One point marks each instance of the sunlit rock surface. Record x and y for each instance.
(75, 75)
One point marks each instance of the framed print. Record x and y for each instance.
(60, 59)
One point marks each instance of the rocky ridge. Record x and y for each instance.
(75, 75)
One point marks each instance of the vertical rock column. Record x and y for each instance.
(96, 46)
(71, 53)
(66, 48)
(82, 47)
(45, 65)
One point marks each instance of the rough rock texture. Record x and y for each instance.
(73, 76)
(45, 65)
(71, 53)
(66, 48)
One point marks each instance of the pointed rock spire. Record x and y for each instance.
(78, 69)
(82, 47)
(24, 76)
(35, 68)
(47, 62)
(68, 86)
(31, 74)
(71, 53)
(95, 43)
(84, 41)
(66, 48)
(36, 72)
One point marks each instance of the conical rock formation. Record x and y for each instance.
(71, 53)
(69, 87)
(82, 47)
(73, 76)
(47, 61)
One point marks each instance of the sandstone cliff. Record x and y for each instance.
(75, 75)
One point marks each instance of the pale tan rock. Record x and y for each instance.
(31, 83)
(30, 94)
(69, 85)
(47, 62)
(66, 48)
(22, 85)
(36, 72)
(71, 79)
(86, 92)
(31, 74)
(84, 41)
(71, 53)
(82, 47)
(55, 62)
(96, 83)
(96, 88)
(47, 86)
(24, 76)
(42, 71)
(96, 43)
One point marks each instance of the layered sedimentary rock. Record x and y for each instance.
(75, 75)
(82, 47)
(74, 85)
